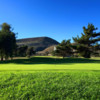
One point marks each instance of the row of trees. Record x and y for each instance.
(8, 46)
(86, 45)
(24, 51)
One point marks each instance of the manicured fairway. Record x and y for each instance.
(43, 78)
(48, 63)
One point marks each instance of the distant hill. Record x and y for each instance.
(47, 50)
(39, 43)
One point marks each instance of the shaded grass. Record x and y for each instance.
(51, 60)
(49, 63)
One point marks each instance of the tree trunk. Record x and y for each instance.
(1, 58)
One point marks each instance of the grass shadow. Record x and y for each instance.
(48, 60)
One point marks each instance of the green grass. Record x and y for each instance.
(47, 63)
(43, 78)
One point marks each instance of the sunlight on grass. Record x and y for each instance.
(44, 78)
(40, 85)
(46, 63)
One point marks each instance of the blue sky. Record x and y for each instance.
(58, 19)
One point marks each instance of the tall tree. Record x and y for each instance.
(64, 49)
(84, 44)
(7, 41)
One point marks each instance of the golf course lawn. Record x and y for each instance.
(49, 78)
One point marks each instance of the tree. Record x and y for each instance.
(21, 51)
(30, 51)
(84, 44)
(7, 41)
(64, 49)
(96, 49)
